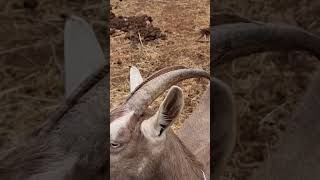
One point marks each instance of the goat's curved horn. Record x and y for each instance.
(153, 87)
(220, 18)
(241, 39)
(154, 75)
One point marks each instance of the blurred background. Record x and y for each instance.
(31, 58)
(266, 86)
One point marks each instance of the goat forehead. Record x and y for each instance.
(118, 124)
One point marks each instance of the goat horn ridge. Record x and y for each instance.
(157, 83)
(231, 41)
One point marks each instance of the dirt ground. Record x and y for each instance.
(175, 27)
(31, 58)
(267, 86)
(138, 29)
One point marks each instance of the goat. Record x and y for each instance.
(142, 144)
(297, 156)
(71, 143)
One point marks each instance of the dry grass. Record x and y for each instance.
(181, 21)
(267, 86)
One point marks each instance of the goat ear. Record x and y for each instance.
(169, 109)
(82, 52)
(168, 112)
(135, 78)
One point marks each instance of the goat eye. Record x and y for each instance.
(115, 145)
